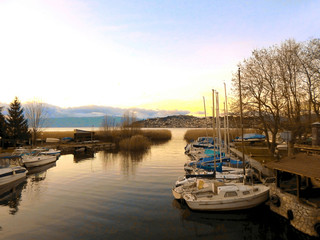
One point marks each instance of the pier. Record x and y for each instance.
(259, 170)
(87, 146)
(295, 187)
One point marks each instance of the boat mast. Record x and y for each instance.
(205, 115)
(225, 129)
(213, 133)
(241, 121)
(228, 131)
(218, 124)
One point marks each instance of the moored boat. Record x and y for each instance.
(228, 197)
(11, 174)
(251, 137)
(51, 151)
(37, 160)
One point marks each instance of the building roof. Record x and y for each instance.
(300, 164)
(82, 131)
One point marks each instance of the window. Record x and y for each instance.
(246, 192)
(231, 194)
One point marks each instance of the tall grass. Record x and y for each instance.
(56, 134)
(116, 135)
(157, 135)
(135, 143)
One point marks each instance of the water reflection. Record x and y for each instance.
(10, 195)
(128, 161)
(160, 142)
(37, 174)
(258, 223)
(82, 156)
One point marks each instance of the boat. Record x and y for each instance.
(18, 152)
(51, 151)
(37, 160)
(11, 174)
(221, 196)
(191, 178)
(52, 140)
(251, 137)
(195, 186)
(43, 168)
(201, 142)
(282, 146)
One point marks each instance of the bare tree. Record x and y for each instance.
(37, 115)
(130, 126)
(310, 61)
(279, 86)
(260, 92)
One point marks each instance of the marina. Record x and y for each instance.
(124, 196)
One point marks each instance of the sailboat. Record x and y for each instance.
(222, 196)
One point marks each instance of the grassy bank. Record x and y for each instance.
(152, 135)
(125, 139)
(57, 134)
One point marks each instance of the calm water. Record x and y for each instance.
(117, 196)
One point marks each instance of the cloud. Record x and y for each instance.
(94, 111)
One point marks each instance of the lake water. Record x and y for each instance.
(119, 196)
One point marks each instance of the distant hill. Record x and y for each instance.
(187, 121)
(176, 121)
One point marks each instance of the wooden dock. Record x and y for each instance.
(308, 149)
(87, 146)
(259, 170)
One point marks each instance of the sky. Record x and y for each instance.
(156, 55)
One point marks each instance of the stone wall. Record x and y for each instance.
(302, 216)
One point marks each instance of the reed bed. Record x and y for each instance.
(157, 135)
(117, 135)
(135, 143)
(152, 135)
(56, 134)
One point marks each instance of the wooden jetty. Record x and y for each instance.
(260, 171)
(307, 149)
(86, 146)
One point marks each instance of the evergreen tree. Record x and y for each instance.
(2, 128)
(17, 125)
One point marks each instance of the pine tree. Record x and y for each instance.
(2, 128)
(17, 125)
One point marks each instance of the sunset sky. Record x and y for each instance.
(160, 55)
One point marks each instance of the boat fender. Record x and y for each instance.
(290, 214)
(275, 200)
(317, 228)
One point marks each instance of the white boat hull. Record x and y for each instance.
(36, 161)
(15, 176)
(52, 152)
(176, 194)
(221, 203)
